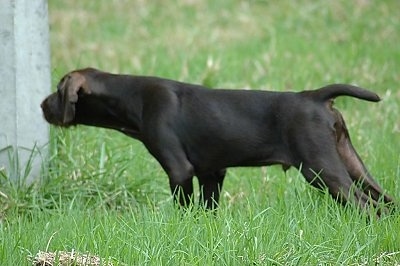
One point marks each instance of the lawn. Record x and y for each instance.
(101, 193)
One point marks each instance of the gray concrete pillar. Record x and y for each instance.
(24, 82)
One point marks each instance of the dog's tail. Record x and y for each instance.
(334, 90)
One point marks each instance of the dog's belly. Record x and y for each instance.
(244, 141)
(212, 157)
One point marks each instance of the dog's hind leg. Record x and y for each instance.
(339, 184)
(354, 165)
(322, 166)
(210, 188)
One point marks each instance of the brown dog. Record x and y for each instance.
(192, 130)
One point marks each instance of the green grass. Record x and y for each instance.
(102, 193)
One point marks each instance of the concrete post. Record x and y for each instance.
(24, 82)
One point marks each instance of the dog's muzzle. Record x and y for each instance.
(52, 110)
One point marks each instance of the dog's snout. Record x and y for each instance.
(56, 113)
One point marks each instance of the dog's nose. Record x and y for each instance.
(42, 104)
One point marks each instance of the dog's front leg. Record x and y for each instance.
(180, 173)
(182, 191)
(179, 170)
(210, 188)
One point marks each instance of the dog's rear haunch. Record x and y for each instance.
(195, 131)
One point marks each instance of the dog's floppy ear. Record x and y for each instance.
(69, 87)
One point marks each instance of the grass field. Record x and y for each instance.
(102, 193)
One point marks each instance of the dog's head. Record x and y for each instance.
(59, 107)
